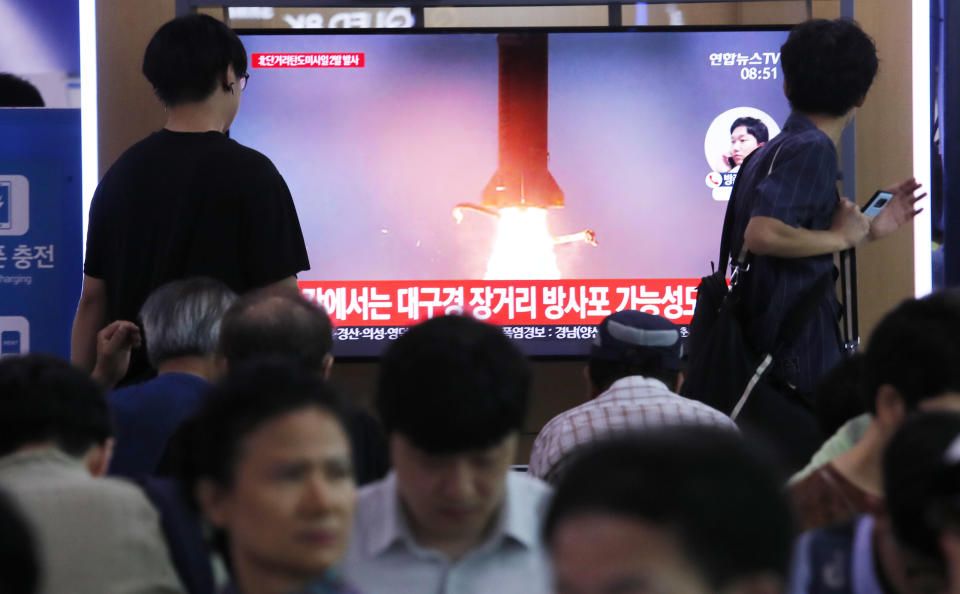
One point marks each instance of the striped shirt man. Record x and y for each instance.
(631, 403)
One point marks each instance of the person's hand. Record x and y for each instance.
(851, 224)
(114, 344)
(900, 210)
(724, 165)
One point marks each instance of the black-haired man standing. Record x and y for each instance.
(186, 200)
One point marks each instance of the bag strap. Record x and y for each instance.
(728, 218)
(789, 329)
(848, 290)
(743, 258)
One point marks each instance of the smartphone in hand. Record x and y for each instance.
(876, 203)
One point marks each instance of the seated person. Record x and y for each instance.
(19, 572)
(269, 466)
(94, 535)
(181, 324)
(634, 374)
(691, 510)
(910, 364)
(261, 324)
(451, 517)
(840, 408)
(897, 552)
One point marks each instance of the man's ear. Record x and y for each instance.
(890, 407)
(592, 391)
(213, 502)
(861, 101)
(325, 366)
(225, 79)
(220, 364)
(97, 458)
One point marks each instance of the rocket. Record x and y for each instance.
(522, 178)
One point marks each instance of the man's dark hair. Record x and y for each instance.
(183, 317)
(453, 384)
(710, 489)
(754, 126)
(249, 396)
(20, 571)
(188, 58)
(603, 373)
(261, 324)
(839, 395)
(920, 482)
(828, 66)
(43, 398)
(915, 350)
(17, 92)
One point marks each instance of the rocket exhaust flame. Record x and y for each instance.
(523, 247)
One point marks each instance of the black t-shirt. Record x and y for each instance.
(182, 204)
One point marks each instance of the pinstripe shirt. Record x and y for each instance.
(633, 402)
(801, 191)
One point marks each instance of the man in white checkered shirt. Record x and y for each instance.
(634, 371)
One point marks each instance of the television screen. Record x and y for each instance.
(537, 179)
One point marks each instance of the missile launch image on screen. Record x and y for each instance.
(522, 190)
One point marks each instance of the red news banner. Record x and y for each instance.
(403, 303)
(309, 60)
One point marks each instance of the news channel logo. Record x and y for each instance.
(14, 336)
(14, 205)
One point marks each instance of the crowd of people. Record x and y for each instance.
(195, 444)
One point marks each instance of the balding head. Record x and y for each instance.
(264, 325)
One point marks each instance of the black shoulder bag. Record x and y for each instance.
(723, 368)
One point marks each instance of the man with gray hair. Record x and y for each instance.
(181, 325)
(634, 374)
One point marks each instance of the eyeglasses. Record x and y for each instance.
(243, 80)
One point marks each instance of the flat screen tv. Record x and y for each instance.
(539, 179)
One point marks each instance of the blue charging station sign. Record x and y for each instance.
(40, 229)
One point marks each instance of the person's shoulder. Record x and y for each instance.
(531, 494)
(565, 420)
(165, 386)
(375, 496)
(529, 485)
(129, 392)
(248, 157)
(118, 494)
(813, 482)
(705, 410)
(99, 497)
(801, 142)
(138, 154)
